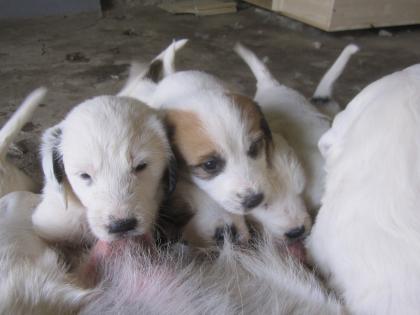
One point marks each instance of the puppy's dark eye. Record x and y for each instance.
(85, 176)
(212, 165)
(255, 148)
(140, 167)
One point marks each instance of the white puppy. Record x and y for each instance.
(11, 178)
(32, 278)
(223, 144)
(103, 165)
(366, 239)
(290, 114)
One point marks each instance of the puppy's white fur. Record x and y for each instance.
(89, 161)
(32, 278)
(226, 131)
(236, 282)
(366, 238)
(291, 115)
(11, 178)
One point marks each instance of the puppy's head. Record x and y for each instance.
(110, 154)
(223, 142)
(285, 216)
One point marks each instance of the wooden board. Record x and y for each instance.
(337, 15)
(200, 7)
(354, 14)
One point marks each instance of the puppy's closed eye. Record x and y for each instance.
(256, 148)
(140, 167)
(86, 178)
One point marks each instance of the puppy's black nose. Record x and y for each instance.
(252, 200)
(296, 232)
(123, 225)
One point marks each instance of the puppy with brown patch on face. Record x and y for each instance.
(291, 115)
(104, 168)
(225, 147)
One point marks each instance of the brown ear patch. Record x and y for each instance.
(252, 113)
(188, 136)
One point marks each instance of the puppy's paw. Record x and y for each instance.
(229, 232)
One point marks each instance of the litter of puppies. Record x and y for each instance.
(180, 195)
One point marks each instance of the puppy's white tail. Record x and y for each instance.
(142, 79)
(162, 65)
(258, 68)
(324, 89)
(168, 56)
(12, 127)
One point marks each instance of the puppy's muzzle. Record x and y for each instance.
(252, 200)
(122, 225)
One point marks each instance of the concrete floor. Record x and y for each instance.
(33, 53)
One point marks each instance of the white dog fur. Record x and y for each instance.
(103, 167)
(32, 278)
(290, 114)
(11, 178)
(244, 282)
(214, 127)
(366, 239)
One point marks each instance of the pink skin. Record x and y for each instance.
(102, 250)
(297, 251)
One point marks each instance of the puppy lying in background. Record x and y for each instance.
(258, 281)
(104, 168)
(290, 114)
(33, 280)
(11, 178)
(366, 239)
(224, 146)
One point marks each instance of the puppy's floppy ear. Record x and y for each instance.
(172, 169)
(251, 111)
(171, 175)
(269, 146)
(52, 159)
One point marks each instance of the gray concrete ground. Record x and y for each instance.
(33, 53)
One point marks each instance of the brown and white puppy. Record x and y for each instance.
(224, 145)
(103, 165)
(293, 117)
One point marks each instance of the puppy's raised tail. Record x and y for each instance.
(323, 92)
(258, 68)
(168, 56)
(12, 127)
(161, 66)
